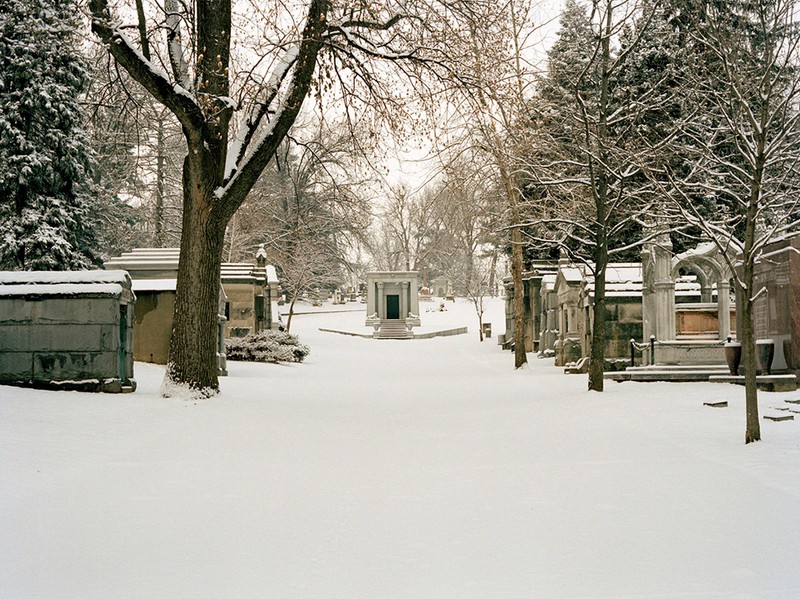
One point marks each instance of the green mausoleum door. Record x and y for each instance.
(393, 307)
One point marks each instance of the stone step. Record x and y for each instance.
(393, 329)
(765, 382)
(675, 376)
(678, 368)
(676, 373)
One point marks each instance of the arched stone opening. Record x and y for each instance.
(713, 273)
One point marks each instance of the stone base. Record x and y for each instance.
(86, 385)
(674, 374)
(778, 417)
(766, 382)
(689, 352)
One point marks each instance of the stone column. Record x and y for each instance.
(664, 290)
(381, 307)
(705, 292)
(405, 300)
(724, 309)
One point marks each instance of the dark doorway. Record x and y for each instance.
(392, 307)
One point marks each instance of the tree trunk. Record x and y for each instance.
(753, 427)
(520, 357)
(749, 362)
(158, 234)
(597, 354)
(193, 346)
(291, 313)
(600, 180)
(493, 274)
(747, 336)
(478, 301)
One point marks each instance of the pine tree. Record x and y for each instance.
(587, 161)
(559, 133)
(46, 210)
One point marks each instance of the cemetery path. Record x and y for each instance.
(395, 469)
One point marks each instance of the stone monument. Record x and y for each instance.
(392, 303)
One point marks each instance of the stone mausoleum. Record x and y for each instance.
(392, 303)
(248, 299)
(67, 330)
(777, 312)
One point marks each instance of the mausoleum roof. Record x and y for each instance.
(94, 283)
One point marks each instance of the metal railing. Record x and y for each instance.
(642, 348)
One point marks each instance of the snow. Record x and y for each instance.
(397, 469)
(97, 289)
(63, 277)
(154, 285)
(107, 283)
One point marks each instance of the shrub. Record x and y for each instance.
(266, 346)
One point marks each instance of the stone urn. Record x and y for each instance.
(765, 351)
(733, 356)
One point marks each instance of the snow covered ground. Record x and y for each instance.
(397, 469)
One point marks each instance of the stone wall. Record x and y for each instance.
(153, 325)
(623, 323)
(70, 335)
(777, 312)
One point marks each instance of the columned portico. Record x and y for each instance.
(381, 301)
(392, 301)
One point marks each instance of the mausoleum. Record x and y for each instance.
(69, 330)
(777, 312)
(392, 303)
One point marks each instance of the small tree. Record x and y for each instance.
(588, 159)
(468, 248)
(745, 149)
(492, 108)
(46, 208)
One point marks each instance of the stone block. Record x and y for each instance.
(74, 365)
(15, 337)
(72, 337)
(678, 352)
(16, 366)
(76, 310)
(14, 310)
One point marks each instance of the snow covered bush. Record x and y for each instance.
(266, 346)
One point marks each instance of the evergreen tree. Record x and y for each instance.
(559, 134)
(46, 211)
(589, 161)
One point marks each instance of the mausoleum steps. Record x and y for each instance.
(676, 373)
(393, 329)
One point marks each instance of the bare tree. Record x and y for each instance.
(469, 245)
(490, 110)
(408, 226)
(588, 160)
(317, 178)
(745, 149)
(236, 105)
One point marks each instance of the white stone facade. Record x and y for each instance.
(392, 296)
